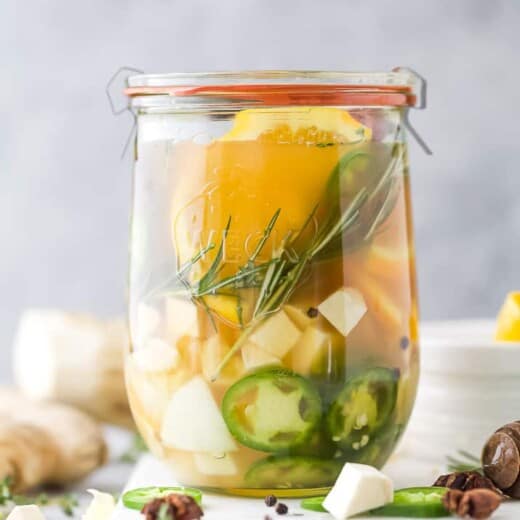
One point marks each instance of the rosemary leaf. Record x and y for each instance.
(231, 280)
(266, 234)
(185, 268)
(215, 265)
(265, 287)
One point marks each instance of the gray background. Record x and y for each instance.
(64, 192)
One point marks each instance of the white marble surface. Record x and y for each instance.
(404, 468)
(404, 471)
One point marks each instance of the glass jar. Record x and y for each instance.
(272, 296)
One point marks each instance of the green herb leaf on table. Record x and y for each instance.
(464, 461)
(136, 449)
(5, 490)
(67, 502)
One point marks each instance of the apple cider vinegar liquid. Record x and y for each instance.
(273, 309)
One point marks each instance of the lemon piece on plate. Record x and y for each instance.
(508, 320)
(298, 125)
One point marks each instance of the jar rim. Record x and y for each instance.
(398, 87)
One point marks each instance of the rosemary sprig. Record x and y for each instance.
(249, 275)
(279, 285)
(277, 278)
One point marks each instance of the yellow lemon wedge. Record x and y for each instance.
(298, 125)
(508, 319)
(225, 306)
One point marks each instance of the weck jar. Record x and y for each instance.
(272, 299)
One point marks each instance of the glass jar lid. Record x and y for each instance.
(400, 88)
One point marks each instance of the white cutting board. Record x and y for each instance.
(404, 471)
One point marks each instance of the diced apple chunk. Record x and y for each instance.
(312, 346)
(189, 349)
(181, 318)
(213, 351)
(344, 309)
(299, 316)
(156, 356)
(381, 304)
(215, 464)
(358, 488)
(277, 335)
(193, 422)
(253, 356)
(147, 321)
(149, 392)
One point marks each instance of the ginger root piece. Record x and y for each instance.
(46, 443)
(75, 359)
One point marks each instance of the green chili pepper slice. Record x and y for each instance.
(313, 504)
(362, 408)
(293, 472)
(139, 497)
(272, 410)
(415, 502)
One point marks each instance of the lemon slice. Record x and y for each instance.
(380, 303)
(298, 125)
(385, 261)
(225, 306)
(508, 320)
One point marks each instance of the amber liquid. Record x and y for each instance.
(249, 181)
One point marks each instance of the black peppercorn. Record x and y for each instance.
(312, 312)
(270, 500)
(405, 342)
(282, 509)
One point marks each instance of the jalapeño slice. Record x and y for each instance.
(139, 497)
(362, 408)
(313, 504)
(418, 502)
(272, 409)
(292, 472)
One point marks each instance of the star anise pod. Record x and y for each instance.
(476, 503)
(465, 481)
(172, 507)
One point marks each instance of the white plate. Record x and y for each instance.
(466, 347)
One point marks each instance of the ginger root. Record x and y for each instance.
(75, 359)
(46, 443)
